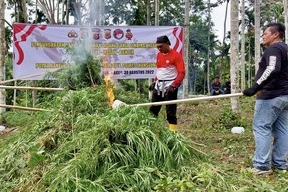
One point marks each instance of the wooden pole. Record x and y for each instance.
(21, 78)
(3, 51)
(28, 76)
(188, 100)
(31, 88)
(186, 48)
(26, 94)
(23, 108)
(15, 93)
(34, 94)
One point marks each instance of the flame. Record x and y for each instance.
(109, 89)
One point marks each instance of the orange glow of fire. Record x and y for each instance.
(109, 89)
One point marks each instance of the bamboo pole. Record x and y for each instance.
(29, 76)
(23, 108)
(188, 100)
(34, 95)
(26, 94)
(31, 88)
(21, 78)
(14, 93)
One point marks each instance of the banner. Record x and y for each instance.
(127, 52)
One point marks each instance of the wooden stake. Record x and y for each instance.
(29, 76)
(23, 108)
(31, 88)
(20, 78)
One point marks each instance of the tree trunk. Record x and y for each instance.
(48, 7)
(285, 4)
(186, 48)
(67, 12)
(208, 48)
(243, 44)
(225, 20)
(2, 53)
(58, 13)
(156, 12)
(148, 22)
(234, 61)
(148, 12)
(23, 15)
(257, 33)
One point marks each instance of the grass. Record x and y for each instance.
(209, 123)
(62, 148)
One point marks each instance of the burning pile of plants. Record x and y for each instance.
(82, 144)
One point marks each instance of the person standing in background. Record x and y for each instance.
(271, 107)
(169, 76)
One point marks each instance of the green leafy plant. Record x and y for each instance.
(84, 145)
(84, 71)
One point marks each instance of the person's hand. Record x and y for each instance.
(252, 90)
(152, 86)
(171, 88)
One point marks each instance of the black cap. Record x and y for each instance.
(163, 39)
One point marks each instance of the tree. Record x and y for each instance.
(49, 8)
(2, 53)
(23, 14)
(20, 10)
(122, 12)
(257, 33)
(148, 12)
(225, 20)
(208, 50)
(234, 14)
(186, 48)
(242, 45)
(285, 4)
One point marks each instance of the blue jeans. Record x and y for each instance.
(270, 121)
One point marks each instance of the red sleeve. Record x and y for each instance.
(180, 69)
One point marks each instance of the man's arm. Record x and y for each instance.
(273, 67)
(273, 58)
(180, 69)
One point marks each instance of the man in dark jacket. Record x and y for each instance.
(271, 107)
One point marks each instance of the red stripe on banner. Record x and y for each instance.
(175, 29)
(179, 38)
(17, 29)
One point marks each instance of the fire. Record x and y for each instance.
(109, 89)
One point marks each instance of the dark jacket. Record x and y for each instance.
(272, 74)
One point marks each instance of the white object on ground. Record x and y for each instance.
(237, 130)
(118, 103)
(2, 128)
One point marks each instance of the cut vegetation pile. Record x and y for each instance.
(84, 145)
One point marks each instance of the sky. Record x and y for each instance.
(218, 16)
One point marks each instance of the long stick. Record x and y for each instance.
(31, 88)
(23, 108)
(20, 78)
(29, 76)
(187, 100)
